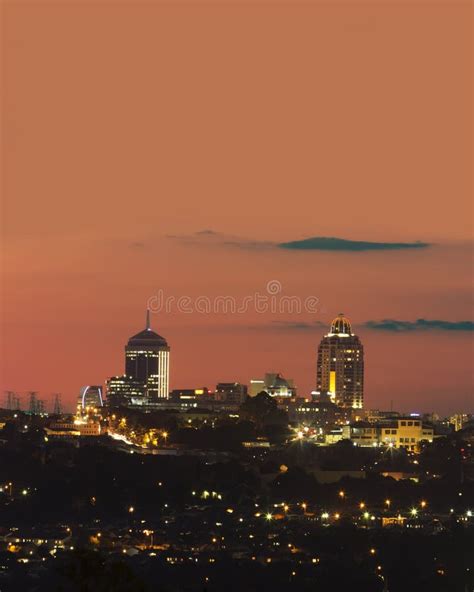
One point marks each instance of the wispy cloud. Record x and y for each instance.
(298, 325)
(322, 243)
(397, 326)
(289, 326)
(208, 237)
(207, 231)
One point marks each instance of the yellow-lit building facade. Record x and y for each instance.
(404, 432)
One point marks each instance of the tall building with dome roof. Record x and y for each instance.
(147, 361)
(340, 365)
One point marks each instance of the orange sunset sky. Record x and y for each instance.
(129, 128)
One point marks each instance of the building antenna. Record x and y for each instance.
(148, 327)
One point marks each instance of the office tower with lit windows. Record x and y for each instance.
(147, 359)
(124, 391)
(340, 365)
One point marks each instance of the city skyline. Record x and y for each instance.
(147, 373)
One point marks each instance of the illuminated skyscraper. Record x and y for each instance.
(340, 366)
(147, 356)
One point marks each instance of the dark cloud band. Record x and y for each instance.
(419, 325)
(389, 325)
(322, 243)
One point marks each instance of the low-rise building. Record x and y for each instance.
(195, 395)
(322, 414)
(274, 384)
(402, 432)
(125, 391)
(70, 428)
(48, 536)
(362, 433)
(458, 420)
(233, 393)
(406, 432)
